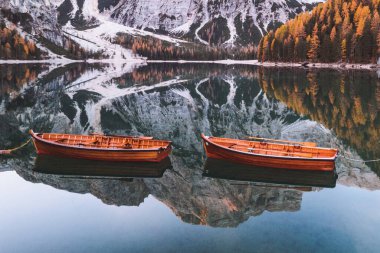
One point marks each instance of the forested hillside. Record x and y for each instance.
(15, 46)
(337, 30)
(156, 49)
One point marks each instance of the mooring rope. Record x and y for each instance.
(358, 160)
(9, 151)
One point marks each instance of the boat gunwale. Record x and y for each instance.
(206, 139)
(35, 136)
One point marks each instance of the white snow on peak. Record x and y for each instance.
(90, 8)
(310, 1)
(177, 16)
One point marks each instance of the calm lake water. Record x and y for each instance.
(189, 204)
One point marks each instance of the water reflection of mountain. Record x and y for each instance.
(182, 102)
(110, 191)
(192, 197)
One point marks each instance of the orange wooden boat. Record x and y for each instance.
(271, 153)
(101, 147)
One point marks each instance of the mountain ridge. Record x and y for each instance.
(208, 23)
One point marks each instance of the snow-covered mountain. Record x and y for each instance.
(207, 21)
(229, 22)
(35, 17)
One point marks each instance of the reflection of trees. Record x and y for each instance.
(14, 77)
(155, 73)
(346, 102)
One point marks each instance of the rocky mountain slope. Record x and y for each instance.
(93, 24)
(208, 21)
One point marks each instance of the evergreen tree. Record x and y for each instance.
(378, 44)
(300, 49)
(375, 31)
(313, 52)
(335, 30)
(335, 44)
(355, 52)
(274, 50)
(326, 49)
(260, 50)
(344, 50)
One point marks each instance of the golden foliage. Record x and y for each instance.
(347, 30)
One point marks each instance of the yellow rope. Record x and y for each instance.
(9, 151)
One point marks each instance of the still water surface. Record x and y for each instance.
(189, 204)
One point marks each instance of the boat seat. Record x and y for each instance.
(95, 142)
(61, 140)
(127, 146)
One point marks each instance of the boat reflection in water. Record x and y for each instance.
(231, 171)
(90, 168)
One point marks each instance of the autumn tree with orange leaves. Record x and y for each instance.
(15, 46)
(337, 30)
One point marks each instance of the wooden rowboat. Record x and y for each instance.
(271, 153)
(102, 148)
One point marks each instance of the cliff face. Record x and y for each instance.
(215, 22)
(209, 22)
(35, 17)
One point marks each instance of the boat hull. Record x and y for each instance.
(112, 155)
(218, 152)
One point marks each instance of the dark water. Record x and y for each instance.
(188, 204)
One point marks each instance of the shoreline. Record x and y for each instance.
(357, 66)
(68, 61)
(348, 66)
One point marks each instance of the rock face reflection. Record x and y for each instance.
(179, 102)
(193, 198)
(220, 203)
(110, 191)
